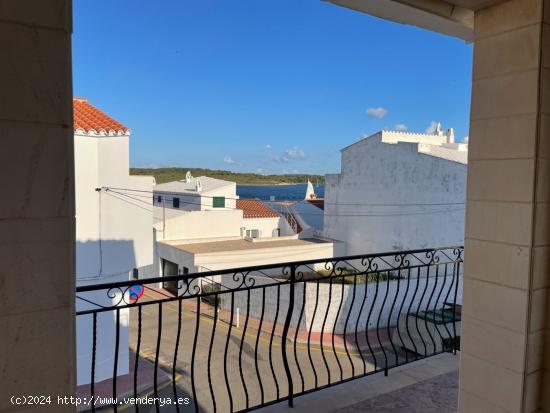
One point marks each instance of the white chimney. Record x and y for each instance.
(450, 135)
(438, 130)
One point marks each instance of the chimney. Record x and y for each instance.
(450, 135)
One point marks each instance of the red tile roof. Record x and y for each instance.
(253, 208)
(90, 119)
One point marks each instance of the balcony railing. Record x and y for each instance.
(239, 339)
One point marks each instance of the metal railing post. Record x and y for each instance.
(291, 286)
(455, 339)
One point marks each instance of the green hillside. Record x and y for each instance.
(173, 174)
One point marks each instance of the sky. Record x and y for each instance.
(267, 86)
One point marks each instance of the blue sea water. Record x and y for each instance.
(295, 192)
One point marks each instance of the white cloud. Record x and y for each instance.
(227, 159)
(432, 127)
(292, 154)
(376, 112)
(401, 127)
(268, 146)
(295, 153)
(259, 171)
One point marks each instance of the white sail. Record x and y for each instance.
(310, 192)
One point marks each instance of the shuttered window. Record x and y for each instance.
(218, 202)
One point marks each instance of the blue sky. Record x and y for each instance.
(274, 86)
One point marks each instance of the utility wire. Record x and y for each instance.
(163, 193)
(391, 214)
(120, 196)
(305, 213)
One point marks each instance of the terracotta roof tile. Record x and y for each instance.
(89, 118)
(253, 208)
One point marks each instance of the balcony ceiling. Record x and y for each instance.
(452, 17)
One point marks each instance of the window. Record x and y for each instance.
(159, 199)
(277, 232)
(218, 202)
(253, 233)
(176, 202)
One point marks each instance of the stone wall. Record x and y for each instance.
(37, 321)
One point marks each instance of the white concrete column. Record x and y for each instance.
(505, 320)
(37, 343)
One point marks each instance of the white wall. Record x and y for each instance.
(172, 254)
(114, 234)
(235, 259)
(416, 294)
(189, 225)
(264, 256)
(268, 225)
(105, 338)
(381, 173)
(201, 201)
(228, 191)
(432, 293)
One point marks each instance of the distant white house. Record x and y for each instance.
(201, 225)
(113, 232)
(398, 191)
(209, 208)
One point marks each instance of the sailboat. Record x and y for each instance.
(310, 192)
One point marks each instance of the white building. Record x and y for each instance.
(398, 191)
(112, 235)
(113, 232)
(208, 208)
(201, 225)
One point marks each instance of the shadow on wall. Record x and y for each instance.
(102, 261)
(104, 258)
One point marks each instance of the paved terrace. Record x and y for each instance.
(425, 386)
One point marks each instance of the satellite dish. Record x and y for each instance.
(188, 176)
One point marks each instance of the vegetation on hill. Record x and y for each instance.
(174, 174)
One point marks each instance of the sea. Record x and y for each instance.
(295, 192)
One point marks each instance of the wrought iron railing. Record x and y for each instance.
(239, 339)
